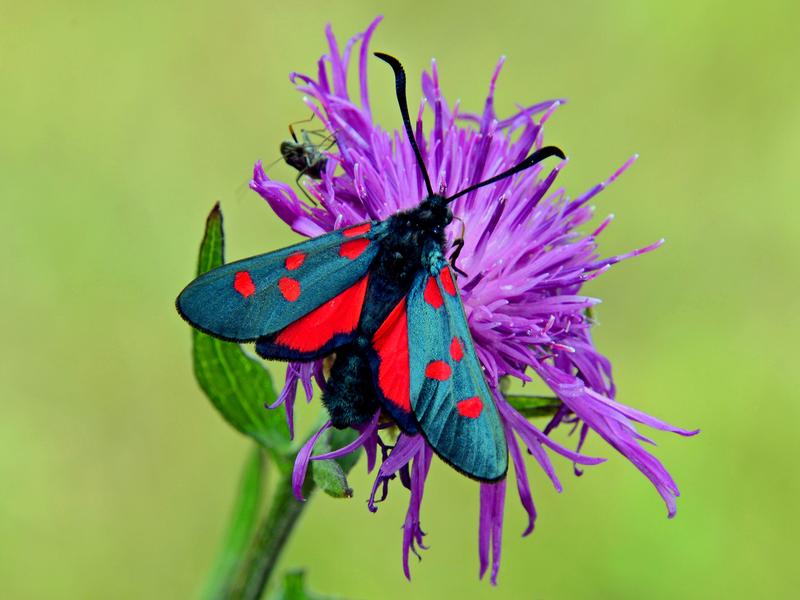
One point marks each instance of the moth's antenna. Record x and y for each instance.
(536, 157)
(400, 84)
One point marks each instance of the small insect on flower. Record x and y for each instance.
(306, 156)
(383, 296)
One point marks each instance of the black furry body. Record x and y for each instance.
(350, 394)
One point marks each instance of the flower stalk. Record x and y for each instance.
(270, 539)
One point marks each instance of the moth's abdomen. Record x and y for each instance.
(349, 395)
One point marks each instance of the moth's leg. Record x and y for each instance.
(458, 245)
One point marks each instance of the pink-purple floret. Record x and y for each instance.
(526, 262)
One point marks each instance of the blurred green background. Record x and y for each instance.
(124, 122)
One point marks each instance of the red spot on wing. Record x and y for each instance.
(357, 230)
(470, 408)
(295, 261)
(432, 294)
(243, 283)
(456, 349)
(390, 343)
(338, 315)
(438, 369)
(290, 288)
(354, 248)
(447, 281)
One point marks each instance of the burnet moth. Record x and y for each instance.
(383, 297)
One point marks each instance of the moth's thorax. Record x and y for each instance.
(414, 240)
(429, 218)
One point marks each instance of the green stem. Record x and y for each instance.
(270, 539)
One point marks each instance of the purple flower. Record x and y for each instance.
(526, 261)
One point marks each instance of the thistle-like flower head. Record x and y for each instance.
(526, 262)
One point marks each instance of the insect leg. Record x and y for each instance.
(458, 244)
(328, 138)
(291, 129)
(321, 133)
(303, 188)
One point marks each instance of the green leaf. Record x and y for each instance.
(330, 478)
(240, 529)
(237, 384)
(294, 588)
(330, 475)
(534, 406)
(212, 248)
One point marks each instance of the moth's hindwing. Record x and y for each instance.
(263, 295)
(391, 369)
(315, 335)
(448, 392)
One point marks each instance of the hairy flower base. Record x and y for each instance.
(526, 261)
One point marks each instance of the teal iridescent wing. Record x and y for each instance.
(448, 392)
(263, 295)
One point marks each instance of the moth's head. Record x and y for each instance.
(434, 214)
